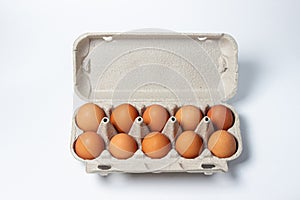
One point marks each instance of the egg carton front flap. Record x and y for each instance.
(155, 67)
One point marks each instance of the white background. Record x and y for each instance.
(36, 39)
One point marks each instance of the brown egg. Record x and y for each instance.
(189, 144)
(122, 146)
(123, 116)
(89, 117)
(221, 117)
(222, 144)
(89, 145)
(156, 116)
(156, 145)
(189, 117)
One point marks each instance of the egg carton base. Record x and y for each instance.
(139, 163)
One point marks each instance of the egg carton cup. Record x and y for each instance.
(145, 68)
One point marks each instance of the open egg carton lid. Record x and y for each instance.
(156, 67)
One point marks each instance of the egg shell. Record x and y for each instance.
(122, 146)
(189, 117)
(123, 116)
(156, 145)
(89, 117)
(155, 117)
(222, 144)
(221, 117)
(89, 145)
(189, 144)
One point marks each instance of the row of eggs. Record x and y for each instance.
(188, 144)
(155, 117)
(89, 145)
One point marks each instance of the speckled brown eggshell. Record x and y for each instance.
(222, 144)
(155, 117)
(221, 117)
(189, 144)
(122, 146)
(89, 145)
(89, 116)
(123, 116)
(156, 145)
(189, 117)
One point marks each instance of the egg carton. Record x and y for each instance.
(145, 68)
